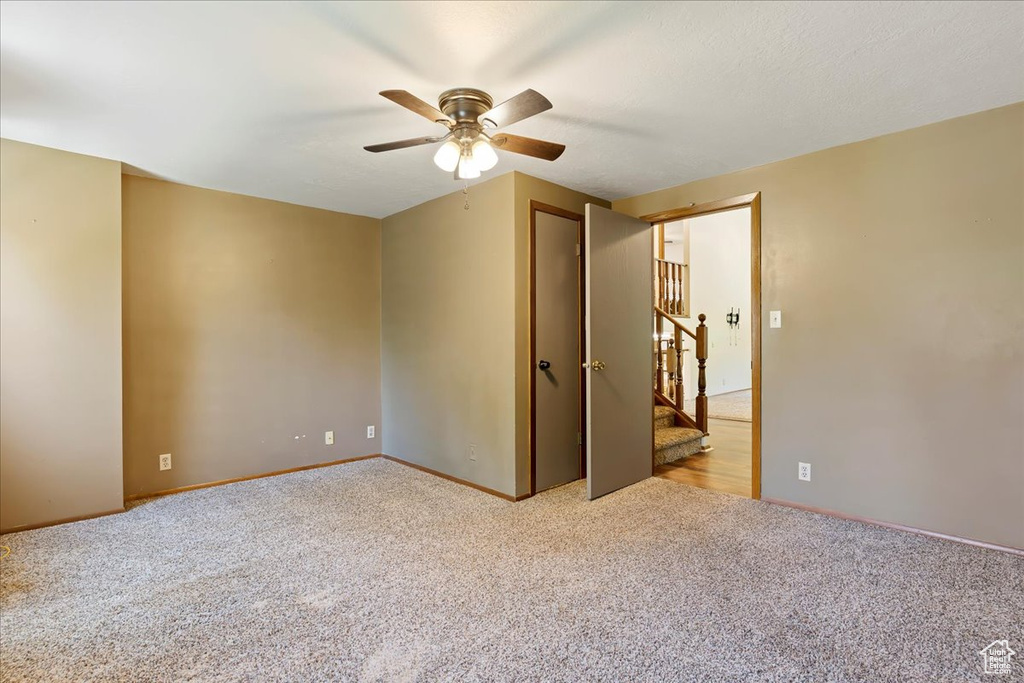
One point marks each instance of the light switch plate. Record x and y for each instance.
(775, 319)
(370, 431)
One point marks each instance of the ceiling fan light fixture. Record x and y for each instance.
(468, 168)
(484, 155)
(468, 149)
(447, 156)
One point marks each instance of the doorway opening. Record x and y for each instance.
(557, 381)
(707, 263)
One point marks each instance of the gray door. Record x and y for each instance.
(619, 328)
(557, 346)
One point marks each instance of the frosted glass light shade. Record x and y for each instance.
(468, 168)
(447, 157)
(483, 155)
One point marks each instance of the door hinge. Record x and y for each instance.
(579, 438)
(577, 249)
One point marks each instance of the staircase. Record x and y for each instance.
(676, 434)
(673, 443)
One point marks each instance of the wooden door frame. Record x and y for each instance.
(540, 207)
(752, 201)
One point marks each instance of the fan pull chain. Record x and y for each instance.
(465, 191)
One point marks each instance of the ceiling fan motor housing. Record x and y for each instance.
(465, 105)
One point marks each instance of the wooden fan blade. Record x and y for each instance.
(401, 144)
(522, 106)
(415, 104)
(529, 146)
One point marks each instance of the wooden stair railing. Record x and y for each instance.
(670, 277)
(668, 379)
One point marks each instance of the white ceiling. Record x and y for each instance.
(277, 99)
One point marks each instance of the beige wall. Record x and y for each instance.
(251, 328)
(528, 188)
(456, 337)
(60, 335)
(448, 340)
(898, 264)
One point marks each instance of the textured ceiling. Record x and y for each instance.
(277, 99)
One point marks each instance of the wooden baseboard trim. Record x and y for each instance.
(66, 520)
(897, 527)
(222, 482)
(484, 489)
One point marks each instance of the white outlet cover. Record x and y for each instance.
(472, 452)
(370, 431)
(775, 319)
(803, 471)
(329, 438)
(165, 461)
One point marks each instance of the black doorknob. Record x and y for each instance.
(543, 365)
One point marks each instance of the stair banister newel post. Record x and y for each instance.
(702, 356)
(668, 385)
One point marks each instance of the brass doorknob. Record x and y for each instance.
(597, 365)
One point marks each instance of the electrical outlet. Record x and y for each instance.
(775, 319)
(472, 452)
(370, 431)
(165, 461)
(329, 438)
(803, 471)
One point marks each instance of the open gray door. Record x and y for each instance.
(619, 329)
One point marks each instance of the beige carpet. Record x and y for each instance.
(373, 571)
(736, 405)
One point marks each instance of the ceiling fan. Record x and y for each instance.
(470, 118)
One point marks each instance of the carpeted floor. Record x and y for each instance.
(736, 405)
(373, 571)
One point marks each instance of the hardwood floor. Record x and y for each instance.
(725, 469)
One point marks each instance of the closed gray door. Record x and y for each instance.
(557, 344)
(619, 328)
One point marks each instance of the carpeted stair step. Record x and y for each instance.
(673, 443)
(664, 417)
